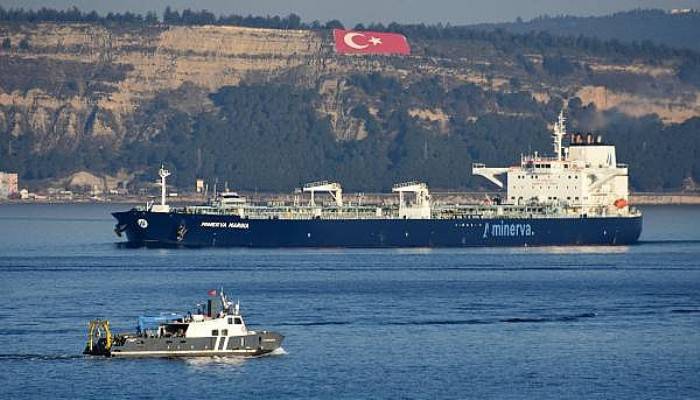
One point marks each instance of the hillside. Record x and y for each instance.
(268, 109)
(679, 28)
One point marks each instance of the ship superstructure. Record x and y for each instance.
(578, 196)
(583, 178)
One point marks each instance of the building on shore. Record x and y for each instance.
(8, 185)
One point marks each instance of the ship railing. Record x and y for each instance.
(406, 184)
(511, 211)
(317, 183)
(528, 158)
(299, 212)
(442, 211)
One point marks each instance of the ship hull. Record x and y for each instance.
(252, 345)
(176, 229)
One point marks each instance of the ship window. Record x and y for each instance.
(238, 321)
(224, 332)
(215, 332)
(230, 321)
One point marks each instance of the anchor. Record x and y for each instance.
(119, 229)
(181, 232)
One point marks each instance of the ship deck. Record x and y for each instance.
(441, 211)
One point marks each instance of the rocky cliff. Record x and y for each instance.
(67, 85)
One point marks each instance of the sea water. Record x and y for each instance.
(545, 323)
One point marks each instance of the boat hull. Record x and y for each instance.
(251, 345)
(145, 228)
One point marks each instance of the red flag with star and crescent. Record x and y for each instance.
(362, 42)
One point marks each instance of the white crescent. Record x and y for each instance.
(348, 40)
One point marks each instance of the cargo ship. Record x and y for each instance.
(577, 196)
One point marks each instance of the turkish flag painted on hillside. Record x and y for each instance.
(361, 42)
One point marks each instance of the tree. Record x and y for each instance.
(24, 44)
(558, 65)
(171, 17)
(334, 24)
(151, 18)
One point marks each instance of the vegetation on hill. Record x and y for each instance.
(274, 131)
(269, 137)
(678, 29)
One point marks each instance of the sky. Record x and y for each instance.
(351, 12)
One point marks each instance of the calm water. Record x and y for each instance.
(596, 322)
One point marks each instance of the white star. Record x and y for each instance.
(375, 40)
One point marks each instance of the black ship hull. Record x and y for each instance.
(145, 228)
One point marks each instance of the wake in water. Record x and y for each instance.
(40, 357)
(558, 318)
(670, 241)
(234, 361)
(552, 318)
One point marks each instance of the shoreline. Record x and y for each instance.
(636, 199)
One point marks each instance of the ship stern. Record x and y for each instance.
(270, 341)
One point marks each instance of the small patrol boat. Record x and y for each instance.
(216, 328)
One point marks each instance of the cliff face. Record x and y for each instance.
(82, 80)
(75, 83)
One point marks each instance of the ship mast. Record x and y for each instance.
(558, 135)
(162, 207)
(163, 173)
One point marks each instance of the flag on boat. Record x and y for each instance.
(212, 292)
(362, 42)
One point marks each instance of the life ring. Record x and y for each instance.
(620, 203)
